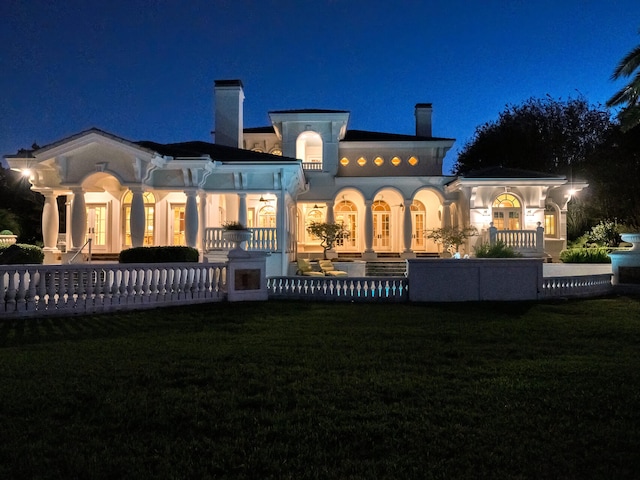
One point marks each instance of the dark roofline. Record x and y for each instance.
(368, 136)
(215, 152)
(228, 83)
(309, 110)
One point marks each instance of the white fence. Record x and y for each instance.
(365, 289)
(40, 290)
(578, 286)
(262, 240)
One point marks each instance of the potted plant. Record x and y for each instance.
(236, 233)
(452, 237)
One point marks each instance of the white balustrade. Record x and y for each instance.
(262, 240)
(523, 241)
(576, 286)
(339, 288)
(30, 290)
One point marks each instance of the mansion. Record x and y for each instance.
(307, 166)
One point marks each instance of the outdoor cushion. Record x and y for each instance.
(304, 268)
(329, 269)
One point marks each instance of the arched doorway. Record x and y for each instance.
(267, 217)
(345, 212)
(309, 149)
(381, 225)
(507, 212)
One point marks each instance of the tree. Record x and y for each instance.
(328, 233)
(26, 205)
(629, 95)
(545, 135)
(452, 237)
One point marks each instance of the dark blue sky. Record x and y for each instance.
(144, 70)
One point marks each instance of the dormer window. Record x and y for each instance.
(309, 150)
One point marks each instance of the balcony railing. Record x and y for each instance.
(527, 242)
(262, 240)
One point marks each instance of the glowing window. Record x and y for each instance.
(344, 161)
(413, 161)
(362, 161)
(506, 200)
(149, 217)
(276, 151)
(378, 161)
(550, 221)
(395, 161)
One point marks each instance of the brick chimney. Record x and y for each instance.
(229, 125)
(423, 119)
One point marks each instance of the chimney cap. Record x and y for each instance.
(424, 105)
(228, 83)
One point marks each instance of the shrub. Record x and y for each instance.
(6, 232)
(21, 253)
(585, 255)
(605, 234)
(497, 250)
(158, 255)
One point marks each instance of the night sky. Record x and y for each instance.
(144, 70)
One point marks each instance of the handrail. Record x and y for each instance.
(80, 251)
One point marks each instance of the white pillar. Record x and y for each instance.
(330, 217)
(407, 228)
(137, 223)
(242, 208)
(78, 219)
(446, 214)
(202, 224)
(50, 222)
(368, 254)
(191, 219)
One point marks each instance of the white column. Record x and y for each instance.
(446, 213)
(407, 227)
(78, 219)
(242, 208)
(137, 222)
(330, 217)
(202, 224)
(368, 254)
(50, 221)
(191, 219)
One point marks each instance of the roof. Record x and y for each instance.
(216, 152)
(366, 136)
(268, 129)
(309, 110)
(503, 172)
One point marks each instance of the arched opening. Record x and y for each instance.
(551, 221)
(313, 216)
(267, 217)
(309, 149)
(418, 222)
(346, 213)
(507, 212)
(381, 225)
(149, 217)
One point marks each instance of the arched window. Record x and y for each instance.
(309, 149)
(346, 213)
(267, 217)
(149, 217)
(313, 216)
(506, 212)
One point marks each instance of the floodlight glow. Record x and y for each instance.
(26, 173)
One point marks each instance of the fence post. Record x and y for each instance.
(540, 238)
(493, 232)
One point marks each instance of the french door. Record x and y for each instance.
(97, 226)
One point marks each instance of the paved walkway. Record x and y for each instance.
(574, 269)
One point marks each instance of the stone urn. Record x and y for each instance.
(237, 237)
(633, 238)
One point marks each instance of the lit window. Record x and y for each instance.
(344, 161)
(550, 221)
(506, 200)
(378, 161)
(413, 161)
(362, 161)
(395, 161)
(276, 151)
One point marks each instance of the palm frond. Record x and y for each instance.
(627, 65)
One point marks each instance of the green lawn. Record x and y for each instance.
(325, 391)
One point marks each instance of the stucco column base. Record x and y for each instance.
(51, 256)
(369, 256)
(408, 255)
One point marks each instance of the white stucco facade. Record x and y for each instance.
(388, 189)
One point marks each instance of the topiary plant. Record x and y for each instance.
(21, 254)
(6, 232)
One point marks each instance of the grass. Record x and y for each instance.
(324, 391)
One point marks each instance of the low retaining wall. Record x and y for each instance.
(349, 289)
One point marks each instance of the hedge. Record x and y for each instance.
(20, 254)
(158, 255)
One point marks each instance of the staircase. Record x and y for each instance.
(111, 257)
(388, 268)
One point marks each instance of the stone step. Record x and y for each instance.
(386, 269)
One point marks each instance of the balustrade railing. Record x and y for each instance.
(523, 241)
(576, 286)
(30, 290)
(368, 289)
(262, 240)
